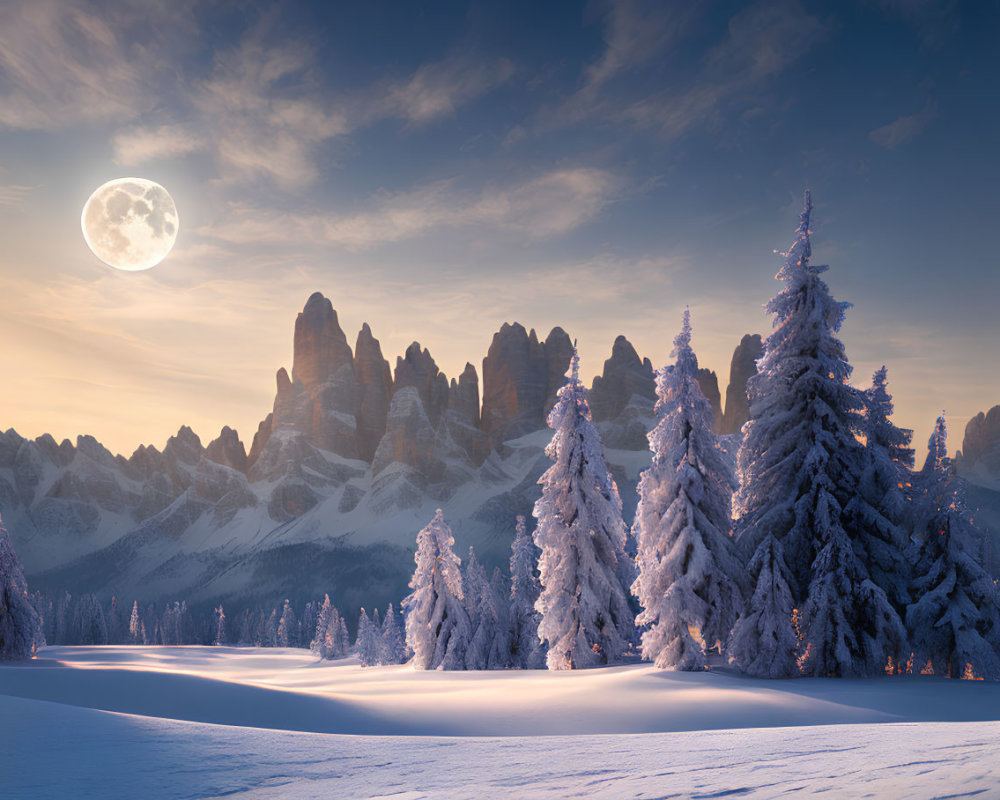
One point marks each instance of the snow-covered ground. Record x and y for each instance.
(110, 722)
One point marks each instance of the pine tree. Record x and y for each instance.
(220, 627)
(954, 619)
(341, 641)
(288, 627)
(437, 627)
(689, 579)
(764, 642)
(585, 614)
(483, 606)
(269, 631)
(88, 621)
(20, 628)
(393, 643)
(114, 622)
(526, 649)
(800, 465)
(322, 643)
(134, 627)
(367, 643)
(500, 652)
(879, 510)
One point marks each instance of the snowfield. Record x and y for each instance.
(179, 722)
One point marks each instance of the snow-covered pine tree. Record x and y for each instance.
(367, 643)
(525, 648)
(487, 648)
(800, 464)
(20, 629)
(879, 511)
(341, 641)
(113, 619)
(288, 627)
(220, 627)
(585, 614)
(954, 619)
(269, 629)
(322, 642)
(134, 625)
(437, 627)
(689, 582)
(500, 653)
(764, 642)
(88, 621)
(393, 644)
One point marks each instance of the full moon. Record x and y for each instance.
(130, 223)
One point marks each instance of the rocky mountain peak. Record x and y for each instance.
(708, 382)
(981, 445)
(416, 368)
(520, 375)
(374, 389)
(320, 346)
(183, 446)
(624, 375)
(228, 450)
(742, 368)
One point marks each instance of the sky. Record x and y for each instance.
(436, 169)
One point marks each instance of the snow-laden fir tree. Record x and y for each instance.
(322, 643)
(288, 627)
(488, 647)
(954, 619)
(879, 511)
(89, 625)
(392, 642)
(525, 648)
(116, 627)
(368, 641)
(20, 628)
(341, 641)
(269, 629)
(585, 614)
(689, 578)
(800, 464)
(220, 627)
(764, 642)
(134, 625)
(437, 626)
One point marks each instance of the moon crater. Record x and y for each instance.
(130, 223)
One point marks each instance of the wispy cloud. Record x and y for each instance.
(140, 145)
(12, 195)
(637, 32)
(762, 41)
(904, 129)
(435, 90)
(70, 62)
(549, 205)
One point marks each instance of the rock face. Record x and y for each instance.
(374, 379)
(350, 452)
(624, 375)
(320, 347)
(742, 368)
(981, 445)
(416, 368)
(228, 450)
(520, 379)
(709, 383)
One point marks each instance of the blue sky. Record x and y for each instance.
(437, 169)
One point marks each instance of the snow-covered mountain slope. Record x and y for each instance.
(207, 722)
(351, 462)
